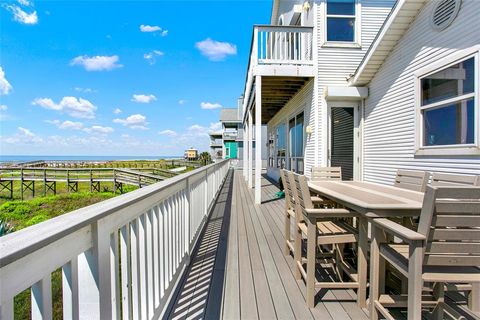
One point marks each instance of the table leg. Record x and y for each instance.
(362, 261)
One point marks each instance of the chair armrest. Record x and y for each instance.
(398, 230)
(330, 213)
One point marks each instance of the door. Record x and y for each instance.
(296, 143)
(231, 150)
(343, 126)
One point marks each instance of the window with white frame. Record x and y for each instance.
(447, 105)
(281, 145)
(341, 20)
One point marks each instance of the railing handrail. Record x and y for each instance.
(267, 26)
(20, 243)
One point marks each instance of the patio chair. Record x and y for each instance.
(448, 179)
(321, 227)
(289, 185)
(411, 180)
(444, 249)
(326, 173)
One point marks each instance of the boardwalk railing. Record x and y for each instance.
(121, 258)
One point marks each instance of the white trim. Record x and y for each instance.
(357, 29)
(457, 149)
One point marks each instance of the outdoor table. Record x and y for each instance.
(371, 201)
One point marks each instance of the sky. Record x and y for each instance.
(118, 77)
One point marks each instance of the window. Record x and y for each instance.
(341, 20)
(281, 146)
(295, 133)
(447, 105)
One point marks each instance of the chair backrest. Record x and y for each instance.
(411, 180)
(288, 189)
(450, 220)
(448, 179)
(326, 173)
(302, 192)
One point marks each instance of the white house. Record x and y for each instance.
(298, 84)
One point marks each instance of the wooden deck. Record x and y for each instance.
(239, 270)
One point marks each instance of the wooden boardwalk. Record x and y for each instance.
(240, 271)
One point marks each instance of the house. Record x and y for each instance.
(422, 72)
(191, 154)
(298, 85)
(228, 142)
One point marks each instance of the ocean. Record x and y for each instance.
(22, 158)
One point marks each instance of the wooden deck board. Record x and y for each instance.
(240, 271)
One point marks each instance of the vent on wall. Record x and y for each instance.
(444, 13)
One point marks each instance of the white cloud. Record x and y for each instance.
(5, 86)
(135, 121)
(143, 98)
(23, 136)
(97, 63)
(216, 50)
(66, 125)
(151, 56)
(3, 107)
(99, 129)
(24, 2)
(75, 107)
(85, 90)
(210, 106)
(117, 111)
(148, 28)
(20, 15)
(181, 102)
(168, 133)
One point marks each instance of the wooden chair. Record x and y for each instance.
(411, 180)
(444, 249)
(451, 180)
(321, 227)
(288, 186)
(326, 173)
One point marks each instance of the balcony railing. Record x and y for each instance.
(120, 258)
(278, 46)
(230, 135)
(283, 45)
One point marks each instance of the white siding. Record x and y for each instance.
(336, 65)
(389, 130)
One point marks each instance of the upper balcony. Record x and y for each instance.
(283, 57)
(230, 135)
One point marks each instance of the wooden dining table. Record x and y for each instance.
(370, 200)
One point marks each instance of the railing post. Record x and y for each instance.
(42, 298)
(255, 46)
(188, 219)
(70, 290)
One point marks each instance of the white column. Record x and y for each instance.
(245, 149)
(258, 139)
(250, 149)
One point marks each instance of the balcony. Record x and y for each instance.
(283, 57)
(216, 144)
(230, 135)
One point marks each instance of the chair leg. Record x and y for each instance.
(374, 273)
(311, 251)
(415, 282)
(339, 251)
(287, 232)
(474, 298)
(439, 294)
(298, 252)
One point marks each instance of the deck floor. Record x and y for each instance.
(240, 271)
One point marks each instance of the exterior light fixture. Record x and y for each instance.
(306, 6)
(308, 130)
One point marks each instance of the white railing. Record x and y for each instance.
(277, 45)
(121, 258)
(230, 135)
(284, 45)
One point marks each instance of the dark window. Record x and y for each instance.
(448, 105)
(341, 20)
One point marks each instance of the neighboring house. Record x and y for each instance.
(191, 154)
(297, 85)
(228, 143)
(423, 75)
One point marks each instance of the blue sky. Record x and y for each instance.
(118, 77)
